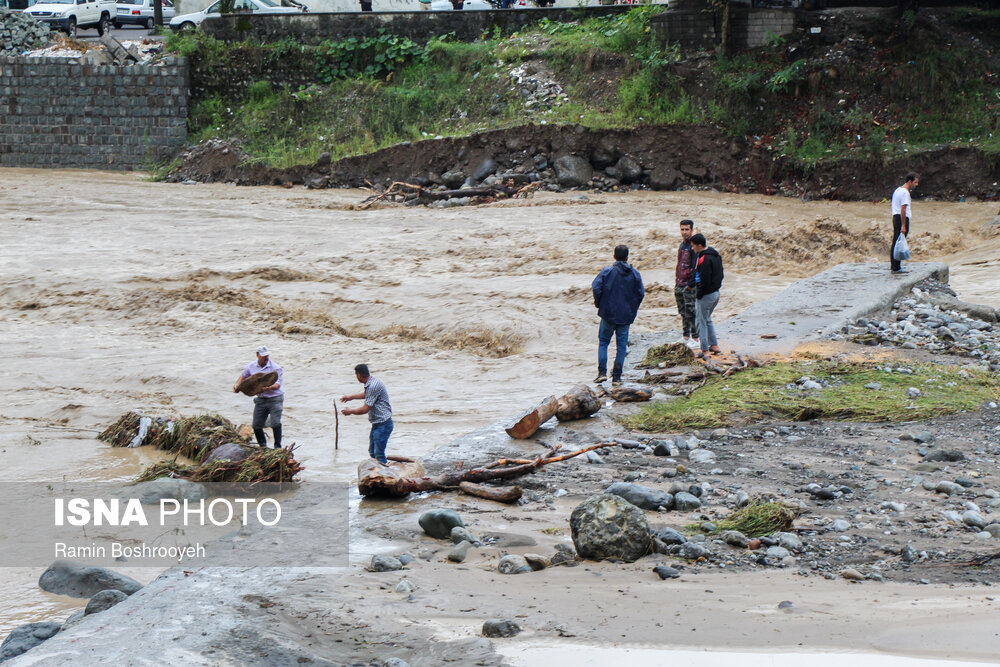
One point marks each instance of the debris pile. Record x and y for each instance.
(20, 32)
(260, 465)
(194, 437)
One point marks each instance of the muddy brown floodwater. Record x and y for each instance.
(117, 293)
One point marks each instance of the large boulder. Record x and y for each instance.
(65, 577)
(629, 169)
(438, 523)
(573, 171)
(26, 637)
(642, 497)
(153, 491)
(606, 526)
(664, 178)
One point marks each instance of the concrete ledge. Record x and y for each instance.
(811, 308)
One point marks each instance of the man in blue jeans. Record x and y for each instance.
(618, 291)
(378, 409)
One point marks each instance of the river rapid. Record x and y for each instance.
(117, 293)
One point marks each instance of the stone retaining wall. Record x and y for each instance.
(700, 29)
(55, 112)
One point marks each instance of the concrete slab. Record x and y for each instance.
(812, 308)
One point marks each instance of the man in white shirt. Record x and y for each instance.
(901, 214)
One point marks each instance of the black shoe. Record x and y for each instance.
(259, 435)
(900, 271)
(601, 377)
(277, 436)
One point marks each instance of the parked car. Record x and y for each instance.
(69, 15)
(447, 6)
(140, 12)
(190, 21)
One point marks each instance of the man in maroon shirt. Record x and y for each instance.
(684, 282)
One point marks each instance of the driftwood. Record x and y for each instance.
(399, 479)
(501, 494)
(579, 403)
(675, 375)
(254, 384)
(627, 394)
(410, 194)
(529, 422)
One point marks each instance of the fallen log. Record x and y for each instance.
(529, 422)
(501, 494)
(579, 403)
(399, 479)
(254, 384)
(627, 394)
(410, 194)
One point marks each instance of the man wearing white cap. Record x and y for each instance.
(270, 401)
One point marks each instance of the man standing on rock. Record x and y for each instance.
(708, 281)
(270, 401)
(684, 282)
(378, 409)
(901, 214)
(618, 291)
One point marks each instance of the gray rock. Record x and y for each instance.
(734, 538)
(405, 559)
(742, 499)
(461, 534)
(923, 437)
(852, 575)
(777, 553)
(686, 502)
(668, 535)
(500, 629)
(485, 168)
(913, 392)
(874, 386)
(908, 554)
(993, 529)
(65, 577)
(459, 552)
(606, 526)
(573, 171)
(384, 564)
(593, 457)
(537, 562)
(629, 169)
(663, 178)
(438, 523)
(974, 519)
(26, 637)
(151, 492)
(73, 619)
(811, 385)
(701, 456)
(632, 476)
(513, 564)
(693, 551)
(641, 496)
(395, 662)
(666, 572)
(405, 586)
(949, 488)
(839, 526)
(789, 541)
(945, 455)
(453, 179)
(104, 600)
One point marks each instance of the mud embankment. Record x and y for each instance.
(658, 158)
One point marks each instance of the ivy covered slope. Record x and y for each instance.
(866, 89)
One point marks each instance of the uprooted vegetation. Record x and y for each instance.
(868, 91)
(804, 390)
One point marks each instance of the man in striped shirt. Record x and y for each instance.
(378, 409)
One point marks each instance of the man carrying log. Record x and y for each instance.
(270, 401)
(618, 291)
(378, 409)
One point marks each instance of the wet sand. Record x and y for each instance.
(117, 293)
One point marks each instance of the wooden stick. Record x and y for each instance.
(336, 426)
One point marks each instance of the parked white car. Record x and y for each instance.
(68, 15)
(140, 12)
(189, 21)
(446, 6)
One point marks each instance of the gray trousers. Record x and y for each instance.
(706, 328)
(268, 407)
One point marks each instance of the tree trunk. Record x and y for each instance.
(727, 37)
(525, 425)
(501, 494)
(579, 403)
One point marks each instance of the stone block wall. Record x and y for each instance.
(56, 112)
(696, 28)
(467, 25)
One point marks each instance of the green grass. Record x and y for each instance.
(762, 393)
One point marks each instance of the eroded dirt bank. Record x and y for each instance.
(667, 158)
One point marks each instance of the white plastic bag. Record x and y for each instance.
(901, 251)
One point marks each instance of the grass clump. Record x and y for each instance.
(673, 354)
(193, 437)
(759, 518)
(770, 392)
(262, 465)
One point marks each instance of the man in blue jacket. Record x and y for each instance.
(618, 291)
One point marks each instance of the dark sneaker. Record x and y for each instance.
(600, 378)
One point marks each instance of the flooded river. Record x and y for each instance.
(116, 293)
